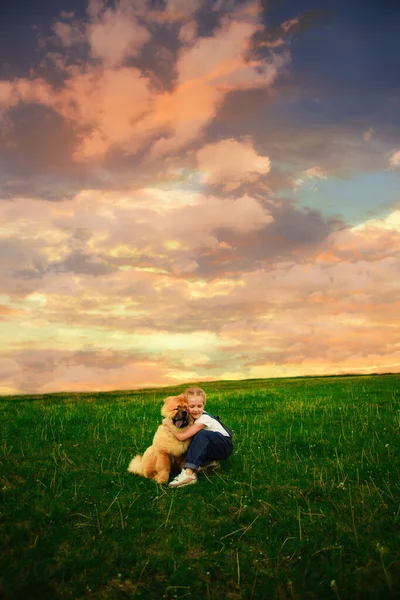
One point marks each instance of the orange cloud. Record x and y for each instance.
(206, 73)
(130, 107)
(121, 96)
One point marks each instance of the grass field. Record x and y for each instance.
(308, 507)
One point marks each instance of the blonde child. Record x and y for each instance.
(211, 441)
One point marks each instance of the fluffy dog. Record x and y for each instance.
(166, 451)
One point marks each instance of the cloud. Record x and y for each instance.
(330, 309)
(368, 134)
(122, 97)
(307, 324)
(95, 7)
(10, 376)
(188, 32)
(231, 163)
(115, 35)
(69, 34)
(315, 172)
(207, 72)
(180, 10)
(88, 234)
(160, 255)
(19, 91)
(290, 24)
(395, 159)
(132, 110)
(52, 370)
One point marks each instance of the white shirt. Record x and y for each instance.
(211, 424)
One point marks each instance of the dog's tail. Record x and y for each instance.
(135, 466)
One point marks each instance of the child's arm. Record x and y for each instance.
(183, 435)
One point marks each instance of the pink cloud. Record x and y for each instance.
(290, 24)
(24, 90)
(7, 96)
(188, 32)
(90, 232)
(121, 96)
(10, 376)
(206, 73)
(69, 34)
(180, 10)
(130, 108)
(284, 318)
(81, 377)
(115, 35)
(231, 163)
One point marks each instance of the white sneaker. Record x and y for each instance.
(183, 479)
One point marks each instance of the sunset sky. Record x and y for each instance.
(197, 190)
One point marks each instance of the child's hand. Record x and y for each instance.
(166, 423)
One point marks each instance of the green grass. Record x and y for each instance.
(308, 507)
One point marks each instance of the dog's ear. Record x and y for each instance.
(182, 401)
(170, 403)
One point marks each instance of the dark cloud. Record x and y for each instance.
(22, 25)
(36, 152)
(103, 359)
(84, 264)
(293, 235)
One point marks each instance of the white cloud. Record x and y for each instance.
(389, 223)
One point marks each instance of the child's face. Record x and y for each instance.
(195, 407)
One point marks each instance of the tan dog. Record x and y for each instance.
(166, 451)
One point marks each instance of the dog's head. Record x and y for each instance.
(175, 408)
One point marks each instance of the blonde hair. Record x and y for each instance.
(194, 392)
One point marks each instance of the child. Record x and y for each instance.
(210, 441)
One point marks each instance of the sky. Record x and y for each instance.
(197, 190)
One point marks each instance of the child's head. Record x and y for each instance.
(195, 392)
(196, 399)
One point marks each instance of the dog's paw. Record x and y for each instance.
(161, 478)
